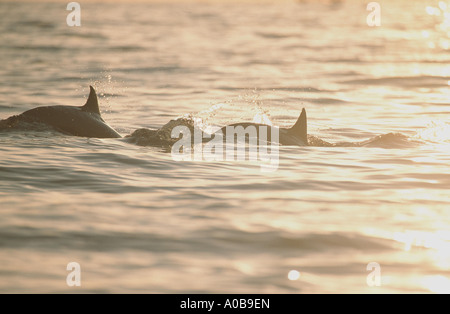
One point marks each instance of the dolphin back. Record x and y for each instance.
(72, 121)
(300, 128)
(85, 121)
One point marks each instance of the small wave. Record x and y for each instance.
(339, 60)
(164, 69)
(35, 24)
(389, 140)
(305, 89)
(273, 35)
(406, 82)
(47, 48)
(84, 35)
(303, 244)
(324, 101)
(126, 48)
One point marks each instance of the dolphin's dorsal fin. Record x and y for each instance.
(92, 103)
(300, 128)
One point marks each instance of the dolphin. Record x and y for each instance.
(85, 121)
(296, 135)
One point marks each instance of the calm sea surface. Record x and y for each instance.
(136, 220)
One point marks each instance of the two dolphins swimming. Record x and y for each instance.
(86, 121)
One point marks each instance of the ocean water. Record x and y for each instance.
(136, 220)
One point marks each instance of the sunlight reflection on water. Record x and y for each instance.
(137, 220)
